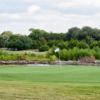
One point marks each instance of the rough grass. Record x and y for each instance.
(49, 83)
(23, 51)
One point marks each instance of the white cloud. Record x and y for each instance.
(79, 3)
(67, 4)
(52, 15)
(32, 9)
(6, 17)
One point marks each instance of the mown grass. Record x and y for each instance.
(49, 83)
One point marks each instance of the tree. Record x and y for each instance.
(1, 42)
(72, 33)
(38, 38)
(19, 42)
(82, 45)
(6, 35)
(55, 36)
(72, 43)
(95, 44)
(37, 34)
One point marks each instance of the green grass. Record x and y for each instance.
(23, 51)
(49, 82)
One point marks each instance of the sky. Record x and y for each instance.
(51, 15)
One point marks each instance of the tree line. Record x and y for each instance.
(82, 38)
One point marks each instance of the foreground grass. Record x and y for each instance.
(49, 83)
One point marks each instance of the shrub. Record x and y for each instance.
(64, 54)
(82, 45)
(97, 52)
(76, 53)
(52, 58)
(44, 48)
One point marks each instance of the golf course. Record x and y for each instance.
(67, 82)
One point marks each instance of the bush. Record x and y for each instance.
(52, 58)
(72, 43)
(18, 42)
(97, 52)
(64, 54)
(82, 45)
(44, 48)
(76, 53)
(6, 56)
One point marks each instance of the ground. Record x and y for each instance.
(19, 82)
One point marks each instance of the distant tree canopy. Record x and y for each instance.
(19, 42)
(42, 40)
(4, 37)
(37, 34)
(86, 33)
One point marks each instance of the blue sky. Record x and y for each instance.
(51, 15)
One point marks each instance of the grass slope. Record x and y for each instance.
(49, 83)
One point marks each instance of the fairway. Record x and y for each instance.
(27, 82)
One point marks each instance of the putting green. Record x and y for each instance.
(19, 82)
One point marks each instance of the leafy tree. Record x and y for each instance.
(82, 45)
(61, 44)
(55, 36)
(95, 44)
(37, 34)
(72, 43)
(72, 33)
(1, 42)
(36, 44)
(18, 42)
(6, 35)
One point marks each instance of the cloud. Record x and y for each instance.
(51, 15)
(84, 7)
(32, 9)
(75, 3)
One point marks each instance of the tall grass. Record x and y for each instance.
(5, 55)
(76, 53)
